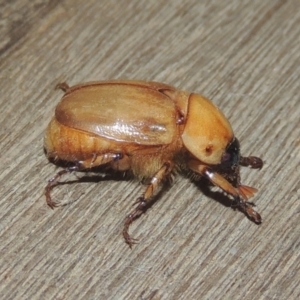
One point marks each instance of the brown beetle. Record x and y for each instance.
(149, 129)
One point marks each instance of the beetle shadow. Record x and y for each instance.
(206, 188)
(91, 176)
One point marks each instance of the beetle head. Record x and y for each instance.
(231, 156)
(207, 133)
(229, 166)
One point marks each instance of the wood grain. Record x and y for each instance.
(242, 54)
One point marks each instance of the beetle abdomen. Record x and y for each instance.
(64, 143)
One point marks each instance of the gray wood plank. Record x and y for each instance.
(242, 54)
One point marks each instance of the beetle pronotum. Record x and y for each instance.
(148, 129)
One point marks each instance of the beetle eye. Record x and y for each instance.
(232, 155)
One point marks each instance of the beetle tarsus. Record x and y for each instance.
(144, 201)
(129, 219)
(62, 86)
(252, 214)
(53, 182)
(137, 212)
(251, 161)
(52, 204)
(141, 207)
(247, 208)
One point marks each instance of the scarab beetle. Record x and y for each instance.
(149, 129)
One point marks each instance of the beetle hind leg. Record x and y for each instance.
(144, 201)
(94, 161)
(53, 182)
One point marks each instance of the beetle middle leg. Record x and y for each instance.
(95, 161)
(239, 194)
(144, 201)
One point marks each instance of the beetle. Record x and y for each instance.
(151, 130)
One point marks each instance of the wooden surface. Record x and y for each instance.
(245, 55)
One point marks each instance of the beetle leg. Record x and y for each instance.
(95, 161)
(252, 161)
(98, 160)
(53, 182)
(144, 201)
(239, 194)
(63, 86)
(246, 191)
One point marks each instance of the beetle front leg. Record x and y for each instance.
(251, 161)
(237, 193)
(144, 201)
(255, 163)
(95, 161)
